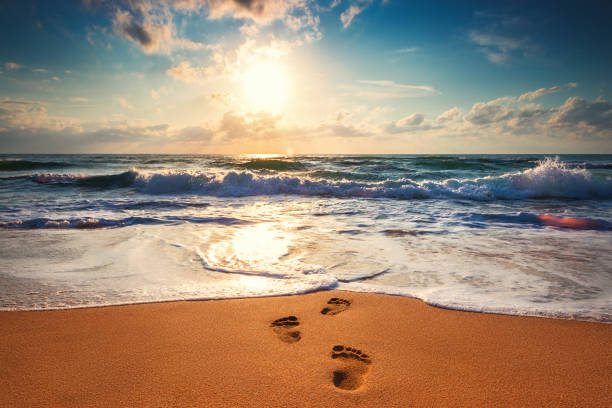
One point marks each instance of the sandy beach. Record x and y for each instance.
(365, 350)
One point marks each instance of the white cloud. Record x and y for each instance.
(382, 89)
(414, 119)
(345, 124)
(27, 114)
(251, 127)
(414, 122)
(486, 113)
(260, 11)
(221, 98)
(406, 50)
(349, 14)
(449, 115)
(356, 8)
(503, 123)
(528, 115)
(186, 73)
(578, 112)
(25, 125)
(507, 114)
(123, 102)
(154, 94)
(150, 26)
(529, 96)
(294, 14)
(576, 118)
(233, 63)
(499, 49)
(417, 122)
(78, 99)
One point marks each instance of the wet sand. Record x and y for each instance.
(365, 350)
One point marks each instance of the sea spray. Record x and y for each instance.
(550, 178)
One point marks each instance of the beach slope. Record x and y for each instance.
(356, 350)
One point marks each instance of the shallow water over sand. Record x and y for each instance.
(511, 234)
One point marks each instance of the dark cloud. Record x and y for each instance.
(148, 24)
(137, 33)
(256, 7)
(260, 11)
(137, 26)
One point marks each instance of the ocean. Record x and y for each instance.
(513, 234)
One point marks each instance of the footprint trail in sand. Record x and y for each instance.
(285, 329)
(355, 366)
(335, 306)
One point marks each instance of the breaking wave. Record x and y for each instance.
(125, 179)
(551, 178)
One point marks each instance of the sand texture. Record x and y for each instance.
(355, 350)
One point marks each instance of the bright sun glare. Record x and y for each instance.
(266, 86)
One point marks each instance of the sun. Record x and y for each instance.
(266, 86)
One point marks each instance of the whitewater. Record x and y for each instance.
(513, 234)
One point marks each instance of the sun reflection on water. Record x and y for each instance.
(255, 248)
(260, 243)
(262, 155)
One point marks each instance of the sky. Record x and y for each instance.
(301, 76)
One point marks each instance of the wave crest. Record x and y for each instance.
(551, 178)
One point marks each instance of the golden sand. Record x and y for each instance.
(366, 350)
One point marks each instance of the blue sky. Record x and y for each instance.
(299, 76)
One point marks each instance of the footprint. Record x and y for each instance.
(284, 328)
(355, 367)
(336, 305)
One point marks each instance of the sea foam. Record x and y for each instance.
(551, 178)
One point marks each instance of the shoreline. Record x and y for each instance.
(230, 353)
(539, 315)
